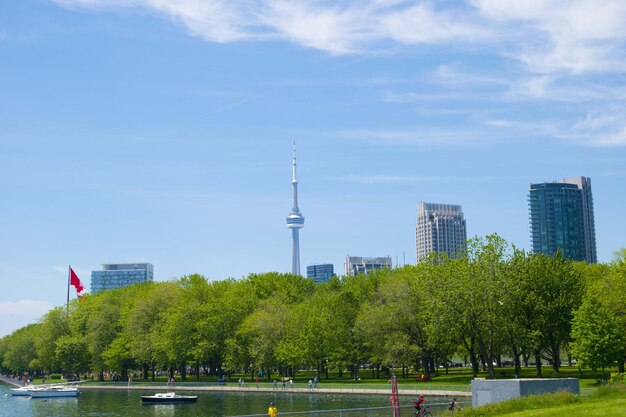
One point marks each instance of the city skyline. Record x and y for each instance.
(161, 132)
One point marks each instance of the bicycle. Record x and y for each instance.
(424, 412)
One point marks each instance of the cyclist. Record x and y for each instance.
(417, 404)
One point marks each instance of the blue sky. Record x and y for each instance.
(161, 131)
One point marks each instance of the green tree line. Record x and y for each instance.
(495, 302)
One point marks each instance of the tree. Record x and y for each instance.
(72, 354)
(598, 340)
(393, 325)
(543, 294)
(318, 333)
(143, 329)
(259, 334)
(609, 288)
(53, 326)
(470, 291)
(19, 350)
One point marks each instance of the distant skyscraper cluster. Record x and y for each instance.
(120, 275)
(440, 229)
(561, 219)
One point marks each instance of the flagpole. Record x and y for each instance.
(67, 305)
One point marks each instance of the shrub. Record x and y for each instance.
(616, 378)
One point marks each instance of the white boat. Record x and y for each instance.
(53, 391)
(167, 398)
(21, 391)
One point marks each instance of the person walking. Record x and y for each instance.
(453, 405)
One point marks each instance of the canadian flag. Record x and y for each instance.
(75, 281)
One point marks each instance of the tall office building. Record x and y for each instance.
(440, 229)
(320, 273)
(355, 265)
(561, 218)
(120, 275)
(295, 221)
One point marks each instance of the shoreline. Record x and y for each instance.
(232, 389)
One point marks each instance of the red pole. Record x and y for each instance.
(395, 398)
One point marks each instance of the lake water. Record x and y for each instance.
(211, 404)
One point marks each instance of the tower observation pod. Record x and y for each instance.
(295, 222)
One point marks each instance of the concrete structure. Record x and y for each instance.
(120, 275)
(440, 229)
(355, 265)
(320, 273)
(485, 391)
(562, 219)
(295, 221)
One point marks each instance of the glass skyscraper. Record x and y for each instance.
(320, 273)
(440, 229)
(120, 275)
(561, 219)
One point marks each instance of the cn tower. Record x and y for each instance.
(295, 221)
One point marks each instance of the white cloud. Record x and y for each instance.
(574, 36)
(17, 314)
(422, 24)
(548, 36)
(22, 307)
(606, 128)
(600, 129)
(338, 28)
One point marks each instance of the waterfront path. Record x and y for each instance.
(11, 381)
(362, 390)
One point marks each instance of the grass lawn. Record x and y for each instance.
(607, 401)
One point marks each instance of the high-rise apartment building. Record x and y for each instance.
(320, 273)
(440, 229)
(120, 275)
(355, 265)
(561, 218)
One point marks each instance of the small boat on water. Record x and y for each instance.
(53, 391)
(168, 398)
(21, 391)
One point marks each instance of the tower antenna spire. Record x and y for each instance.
(295, 220)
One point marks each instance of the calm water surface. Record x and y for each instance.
(210, 404)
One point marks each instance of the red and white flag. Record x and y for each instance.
(75, 281)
